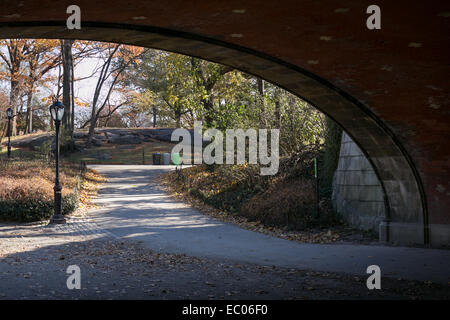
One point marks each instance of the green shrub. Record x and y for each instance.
(28, 210)
(70, 203)
(25, 210)
(67, 143)
(45, 148)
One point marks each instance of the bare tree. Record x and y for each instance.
(110, 74)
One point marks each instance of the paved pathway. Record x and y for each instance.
(134, 206)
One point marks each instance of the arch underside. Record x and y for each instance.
(403, 192)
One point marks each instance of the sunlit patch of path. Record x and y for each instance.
(134, 206)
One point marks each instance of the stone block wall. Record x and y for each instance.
(357, 193)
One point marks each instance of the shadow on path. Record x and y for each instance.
(133, 206)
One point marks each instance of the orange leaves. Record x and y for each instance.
(130, 53)
(94, 176)
(27, 61)
(81, 103)
(4, 100)
(47, 100)
(89, 188)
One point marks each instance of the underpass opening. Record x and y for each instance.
(404, 196)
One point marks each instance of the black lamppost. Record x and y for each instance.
(57, 113)
(9, 114)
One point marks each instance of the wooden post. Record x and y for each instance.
(316, 176)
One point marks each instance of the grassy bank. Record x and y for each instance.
(26, 189)
(284, 205)
(287, 199)
(106, 153)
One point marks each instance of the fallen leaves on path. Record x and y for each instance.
(89, 188)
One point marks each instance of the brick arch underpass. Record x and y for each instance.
(387, 88)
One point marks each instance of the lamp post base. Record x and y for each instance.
(58, 219)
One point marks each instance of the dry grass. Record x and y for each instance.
(33, 180)
(26, 190)
(285, 202)
(172, 183)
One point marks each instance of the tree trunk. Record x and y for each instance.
(101, 80)
(66, 47)
(277, 114)
(72, 124)
(154, 117)
(208, 104)
(178, 118)
(14, 100)
(93, 122)
(105, 124)
(29, 117)
(262, 116)
(29, 128)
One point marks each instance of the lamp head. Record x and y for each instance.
(9, 113)
(57, 111)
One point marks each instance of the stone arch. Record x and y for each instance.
(404, 196)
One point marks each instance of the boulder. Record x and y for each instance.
(96, 142)
(165, 137)
(103, 156)
(127, 139)
(33, 142)
(99, 137)
(125, 147)
(80, 135)
(112, 137)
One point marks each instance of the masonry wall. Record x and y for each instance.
(357, 193)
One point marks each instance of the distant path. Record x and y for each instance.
(135, 207)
